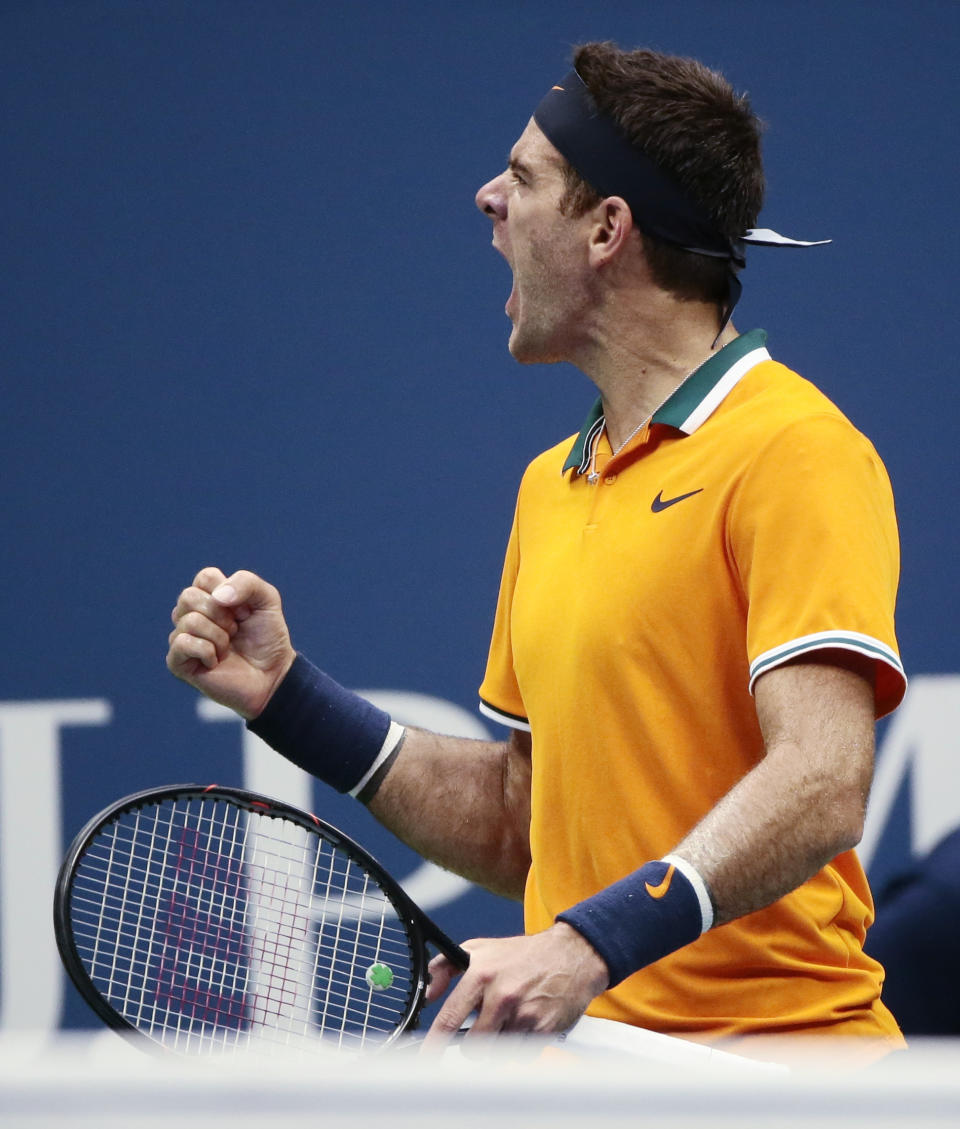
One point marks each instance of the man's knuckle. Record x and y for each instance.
(446, 1022)
(510, 999)
(188, 598)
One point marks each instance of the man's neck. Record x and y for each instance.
(639, 365)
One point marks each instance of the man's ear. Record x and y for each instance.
(611, 228)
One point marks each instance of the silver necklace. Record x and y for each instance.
(636, 431)
(594, 474)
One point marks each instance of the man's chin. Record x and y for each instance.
(523, 345)
(527, 352)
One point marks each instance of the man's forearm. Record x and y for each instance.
(752, 849)
(463, 804)
(804, 802)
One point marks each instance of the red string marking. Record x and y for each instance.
(201, 951)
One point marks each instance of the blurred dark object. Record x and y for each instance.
(915, 937)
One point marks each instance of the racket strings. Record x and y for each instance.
(204, 922)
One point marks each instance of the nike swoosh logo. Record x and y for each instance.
(661, 888)
(660, 503)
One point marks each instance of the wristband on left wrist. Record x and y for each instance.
(652, 912)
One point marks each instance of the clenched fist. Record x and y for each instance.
(230, 640)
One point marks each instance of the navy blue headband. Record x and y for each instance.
(600, 151)
(596, 146)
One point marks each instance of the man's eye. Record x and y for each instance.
(517, 178)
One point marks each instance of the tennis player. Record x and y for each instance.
(695, 630)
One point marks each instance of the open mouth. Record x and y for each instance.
(513, 298)
(511, 302)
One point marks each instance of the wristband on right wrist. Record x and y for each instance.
(328, 731)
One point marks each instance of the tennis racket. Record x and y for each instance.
(213, 919)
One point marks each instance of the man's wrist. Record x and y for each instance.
(277, 682)
(596, 972)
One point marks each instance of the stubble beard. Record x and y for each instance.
(542, 316)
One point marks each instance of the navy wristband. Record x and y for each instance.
(326, 729)
(655, 910)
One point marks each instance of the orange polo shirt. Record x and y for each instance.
(642, 596)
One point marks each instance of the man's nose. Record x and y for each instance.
(491, 199)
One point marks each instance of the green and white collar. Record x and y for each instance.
(689, 405)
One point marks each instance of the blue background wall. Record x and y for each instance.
(250, 317)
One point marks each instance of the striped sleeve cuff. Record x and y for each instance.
(891, 678)
(510, 720)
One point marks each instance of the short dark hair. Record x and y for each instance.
(689, 120)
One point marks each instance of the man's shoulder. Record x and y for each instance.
(780, 428)
(773, 398)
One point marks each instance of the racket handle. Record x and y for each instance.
(460, 957)
(450, 949)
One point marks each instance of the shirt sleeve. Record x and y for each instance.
(813, 532)
(500, 697)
